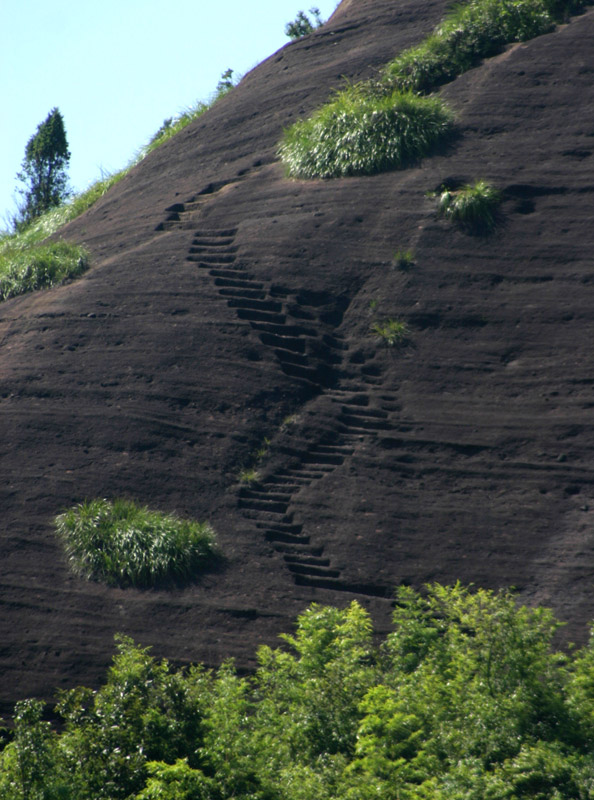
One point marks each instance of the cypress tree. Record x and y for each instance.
(44, 169)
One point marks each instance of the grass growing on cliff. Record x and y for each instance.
(374, 126)
(473, 206)
(360, 134)
(127, 545)
(471, 32)
(39, 267)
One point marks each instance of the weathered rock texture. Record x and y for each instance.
(225, 298)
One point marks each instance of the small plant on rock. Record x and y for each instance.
(392, 331)
(473, 206)
(404, 259)
(123, 544)
(302, 25)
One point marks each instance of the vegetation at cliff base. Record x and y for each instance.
(128, 545)
(465, 700)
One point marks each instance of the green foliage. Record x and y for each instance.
(471, 31)
(124, 544)
(391, 331)
(358, 133)
(404, 259)
(465, 700)
(473, 206)
(302, 25)
(39, 267)
(44, 169)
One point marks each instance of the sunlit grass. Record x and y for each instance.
(470, 32)
(123, 544)
(391, 331)
(473, 206)
(360, 134)
(39, 266)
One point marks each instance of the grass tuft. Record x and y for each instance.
(473, 206)
(39, 266)
(359, 133)
(470, 32)
(123, 544)
(392, 331)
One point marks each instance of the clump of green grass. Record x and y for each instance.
(404, 259)
(249, 475)
(470, 32)
(39, 266)
(392, 331)
(359, 133)
(473, 206)
(123, 544)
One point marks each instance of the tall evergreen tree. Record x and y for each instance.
(44, 169)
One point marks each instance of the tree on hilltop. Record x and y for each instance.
(44, 170)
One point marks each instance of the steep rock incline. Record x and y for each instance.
(226, 323)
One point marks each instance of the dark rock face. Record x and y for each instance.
(229, 311)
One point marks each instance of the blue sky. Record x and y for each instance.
(116, 69)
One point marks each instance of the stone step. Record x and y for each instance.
(363, 423)
(323, 459)
(274, 506)
(286, 538)
(302, 373)
(306, 559)
(258, 495)
(292, 343)
(213, 249)
(247, 294)
(292, 528)
(319, 572)
(206, 258)
(212, 236)
(298, 549)
(237, 283)
(274, 484)
(261, 317)
(234, 273)
(256, 305)
(376, 413)
(289, 357)
(281, 329)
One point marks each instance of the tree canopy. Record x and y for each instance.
(44, 169)
(465, 700)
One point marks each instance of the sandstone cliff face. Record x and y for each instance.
(228, 305)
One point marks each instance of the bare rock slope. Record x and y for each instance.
(229, 310)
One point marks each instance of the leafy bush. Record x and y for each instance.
(464, 700)
(39, 267)
(302, 25)
(471, 32)
(392, 331)
(359, 134)
(473, 206)
(124, 544)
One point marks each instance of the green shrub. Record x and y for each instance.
(358, 133)
(124, 544)
(392, 331)
(39, 267)
(471, 32)
(473, 206)
(302, 25)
